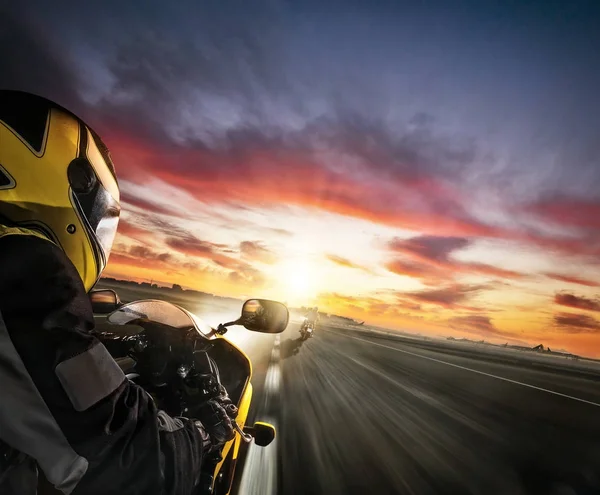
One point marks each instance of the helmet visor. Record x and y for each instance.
(97, 209)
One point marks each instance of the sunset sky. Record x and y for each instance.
(431, 168)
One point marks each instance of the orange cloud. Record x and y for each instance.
(572, 279)
(190, 245)
(273, 177)
(451, 297)
(572, 301)
(241, 272)
(129, 229)
(576, 323)
(256, 251)
(483, 269)
(270, 174)
(431, 259)
(247, 275)
(139, 255)
(149, 206)
(427, 273)
(568, 211)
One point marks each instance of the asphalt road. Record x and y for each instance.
(360, 413)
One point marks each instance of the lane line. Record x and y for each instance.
(273, 379)
(259, 474)
(474, 371)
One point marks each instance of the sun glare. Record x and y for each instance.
(298, 281)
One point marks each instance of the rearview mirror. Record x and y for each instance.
(104, 301)
(262, 315)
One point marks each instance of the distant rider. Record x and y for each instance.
(312, 316)
(67, 410)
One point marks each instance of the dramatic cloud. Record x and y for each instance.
(272, 171)
(147, 206)
(193, 246)
(430, 248)
(32, 59)
(429, 274)
(143, 257)
(130, 229)
(570, 212)
(576, 323)
(324, 163)
(255, 251)
(492, 271)
(245, 274)
(573, 280)
(344, 160)
(407, 305)
(240, 271)
(429, 258)
(148, 254)
(451, 297)
(572, 301)
(584, 245)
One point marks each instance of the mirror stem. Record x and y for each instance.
(221, 329)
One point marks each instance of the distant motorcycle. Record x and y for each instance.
(307, 329)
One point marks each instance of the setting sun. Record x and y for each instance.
(298, 281)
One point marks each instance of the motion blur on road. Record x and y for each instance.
(359, 411)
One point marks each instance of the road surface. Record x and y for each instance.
(361, 413)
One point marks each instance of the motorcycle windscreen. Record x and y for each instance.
(160, 312)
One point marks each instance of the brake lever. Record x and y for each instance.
(245, 437)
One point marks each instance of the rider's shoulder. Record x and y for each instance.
(33, 259)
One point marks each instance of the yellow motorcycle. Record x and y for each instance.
(182, 361)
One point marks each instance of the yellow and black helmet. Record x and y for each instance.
(57, 178)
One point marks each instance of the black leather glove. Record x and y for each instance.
(216, 418)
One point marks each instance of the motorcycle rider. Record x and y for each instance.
(66, 406)
(312, 317)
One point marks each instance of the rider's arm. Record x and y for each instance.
(65, 401)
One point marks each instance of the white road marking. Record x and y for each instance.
(273, 379)
(475, 371)
(260, 467)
